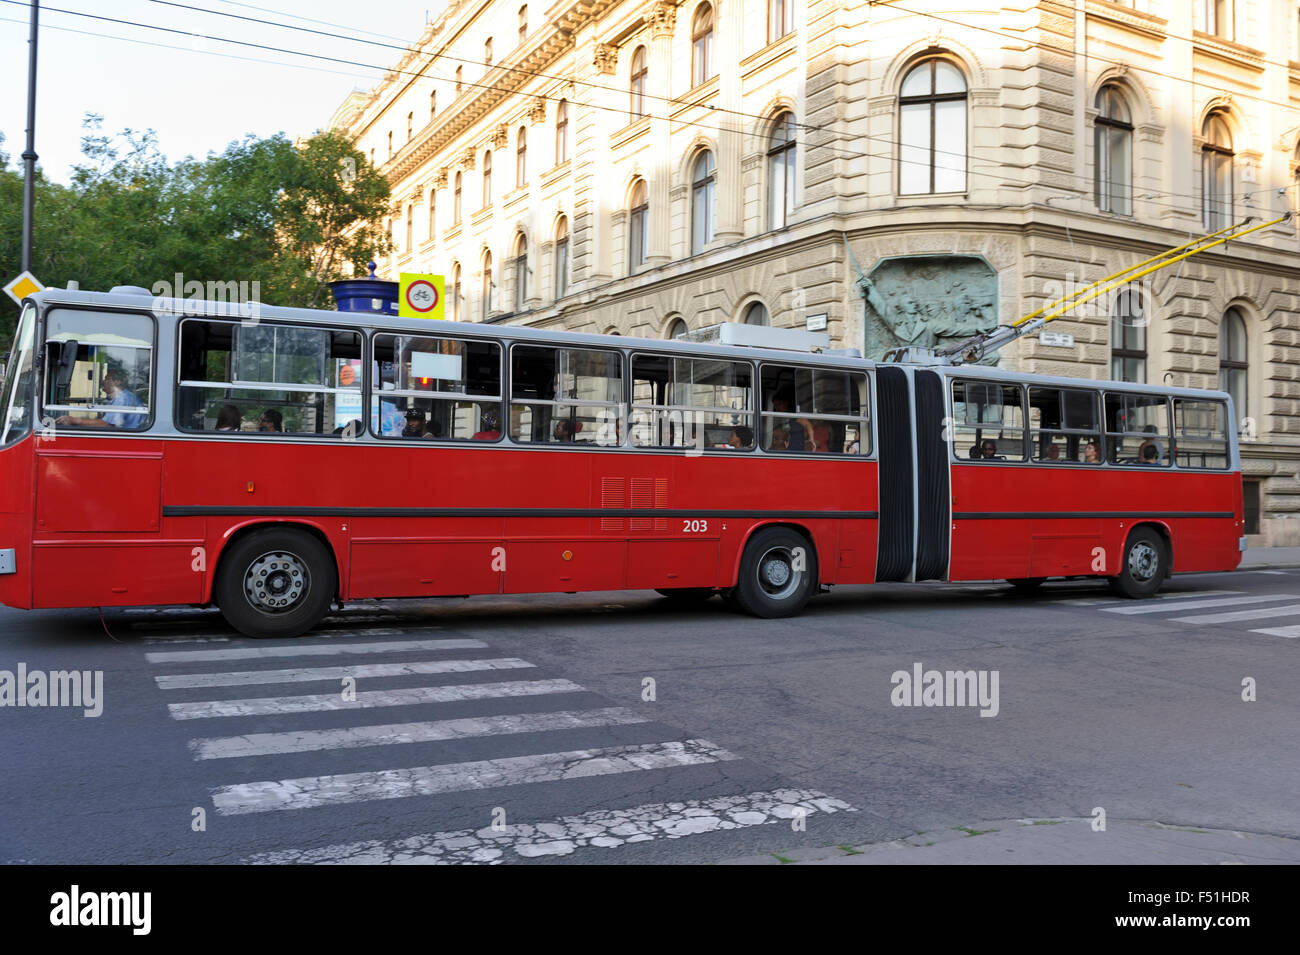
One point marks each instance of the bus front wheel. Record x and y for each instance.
(778, 573)
(1144, 565)
(276, 582)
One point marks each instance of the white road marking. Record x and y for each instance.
(1097, 601)
(1290, 633)
(269, 706)
(355, 737)
(1290, 610)
(307, 650)
(312, 791)
(179, 681)
(601, 828)
(1173, 606)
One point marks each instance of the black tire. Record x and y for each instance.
(276, 564)
(1144, 565)
(686, 595)
(769, 584)
(1026, 585)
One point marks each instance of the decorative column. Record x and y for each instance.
(663, 17)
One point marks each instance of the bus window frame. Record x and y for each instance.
(13, 367)
(241, 435)
(371, 392)
(1229, 438)
(1099, 409)
(1024, 460)
(39, 376)
(868, 404)
(1167, 437)
(694, 449)
(620, 407)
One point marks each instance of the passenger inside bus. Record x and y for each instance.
(229, 418)
(491, 427)
(1149, 454)
(1091, 453)
(415, 424)
(271, 420)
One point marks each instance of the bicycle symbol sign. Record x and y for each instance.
(422, 296)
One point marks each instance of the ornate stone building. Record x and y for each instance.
(891, 171)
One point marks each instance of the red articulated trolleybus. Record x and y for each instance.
(182, 453)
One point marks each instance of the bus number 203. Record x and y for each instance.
(694, 527)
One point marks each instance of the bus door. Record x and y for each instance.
(913, 475)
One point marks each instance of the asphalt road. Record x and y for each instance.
(535, 714)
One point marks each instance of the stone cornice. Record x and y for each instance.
(1126, 16)
(1222, 49)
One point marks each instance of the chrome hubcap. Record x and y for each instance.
(276, 582)
(776, 573)
(1143, 561)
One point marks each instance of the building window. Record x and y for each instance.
(639, 71)
(460, 85)
(562, 132)
(780, 172)
(455, 293)
(487, 285)
(487, 179)
(702, 45)
(562, 258)
(756, 314)
(523, 23)
(1128, 353)
(456, 195)
(521, 157)
(410, 126)
(677, 329)
(433, 105)
(1216, 173)
(932, 129)
(521, 273)
(390, 144)
(1218, 18)
(372, 155)
(703, 176)
(433, 214)
(1233, 360)
(1113, 141)
(779, 19)
(410, 228)
(487, 52)
(638, 225)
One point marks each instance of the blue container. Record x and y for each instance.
(376, 296)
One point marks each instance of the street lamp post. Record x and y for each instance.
(29, 154)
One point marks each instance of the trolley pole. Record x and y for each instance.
(29, 154)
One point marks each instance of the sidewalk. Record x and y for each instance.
(1260, 558)
(1054, 842)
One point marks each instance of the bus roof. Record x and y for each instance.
(193, 308)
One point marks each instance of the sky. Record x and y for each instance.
(198, 93)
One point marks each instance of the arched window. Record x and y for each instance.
(703, 176)
(1216, 173)
(677, 329)
(702, 45)
(521, 157)
(638, 226)
(1113, 146)
(1233, 361)
(932, 129)
(456, 195)
(433, 214)
(433, 105)
(562, 258)
(562, 132)
(756, 314)
(779, 19)
(1128, 350)
(486, 290)
(523, 23)
(410, 228)
(487, 179)
(456, 297)
(521, 273)
(487, 52)
(639, 71)
(780, 171)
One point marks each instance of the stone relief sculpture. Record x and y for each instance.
(931, 301)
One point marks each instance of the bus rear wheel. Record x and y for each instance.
(276, 582)
(778, 573)
(1144, 566)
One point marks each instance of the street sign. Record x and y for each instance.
(420, 296)
(1056, 339)
(25, 284)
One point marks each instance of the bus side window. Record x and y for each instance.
(814, 410)
(692, 402)
(988, 421)
(566, 396)
(98, 370)
(1200, 433)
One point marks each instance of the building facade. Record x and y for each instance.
(893, 172)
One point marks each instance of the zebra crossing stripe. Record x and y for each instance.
(313, 791)
(1290, 633)
(1177, 605)
(1259, 613)
(316, 703)
(1122, 601)
(307, 650)
(179, 681)
(355, 737)
(600, 828)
